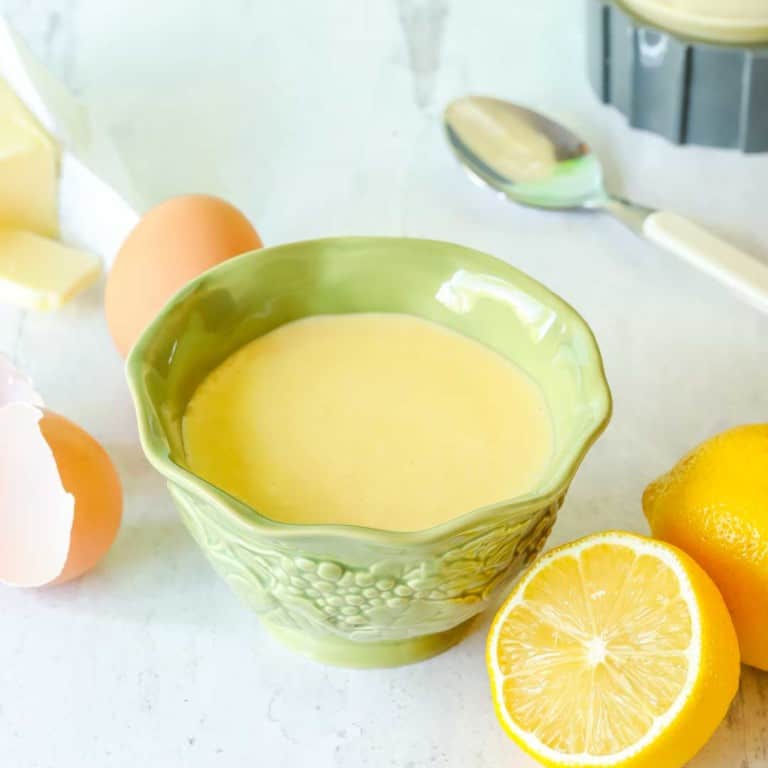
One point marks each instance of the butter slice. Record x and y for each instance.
(39, 273)
(29, 160)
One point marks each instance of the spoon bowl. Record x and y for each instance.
(524, 155)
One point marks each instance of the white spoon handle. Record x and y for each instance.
(703, 250)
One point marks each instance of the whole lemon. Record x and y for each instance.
(713, 504)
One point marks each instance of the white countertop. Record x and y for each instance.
(322, 118)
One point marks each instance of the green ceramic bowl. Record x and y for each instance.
(344, 594)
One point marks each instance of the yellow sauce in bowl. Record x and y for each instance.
(380, 420)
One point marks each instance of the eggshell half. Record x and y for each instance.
(60, 498)
(86, 473)
(36, 512)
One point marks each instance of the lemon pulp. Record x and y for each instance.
(615, 650)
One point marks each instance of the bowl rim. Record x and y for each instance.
(156, 448)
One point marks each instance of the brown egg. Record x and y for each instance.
(173, 243)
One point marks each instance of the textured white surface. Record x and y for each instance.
(322, 119)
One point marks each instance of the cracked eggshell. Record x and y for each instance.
(60, 496)
(87, 473)
(36, 513)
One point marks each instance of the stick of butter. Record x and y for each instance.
(39, 273)
(29, 160)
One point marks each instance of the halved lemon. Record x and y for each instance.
(614, 650)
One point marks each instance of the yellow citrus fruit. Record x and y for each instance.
(614, 650)
(714, 505)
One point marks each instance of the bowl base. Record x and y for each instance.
(345, 653)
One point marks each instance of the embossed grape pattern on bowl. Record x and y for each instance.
(339, 593)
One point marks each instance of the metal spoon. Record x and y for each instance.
(537, 162)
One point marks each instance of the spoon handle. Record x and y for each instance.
(715, 257)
